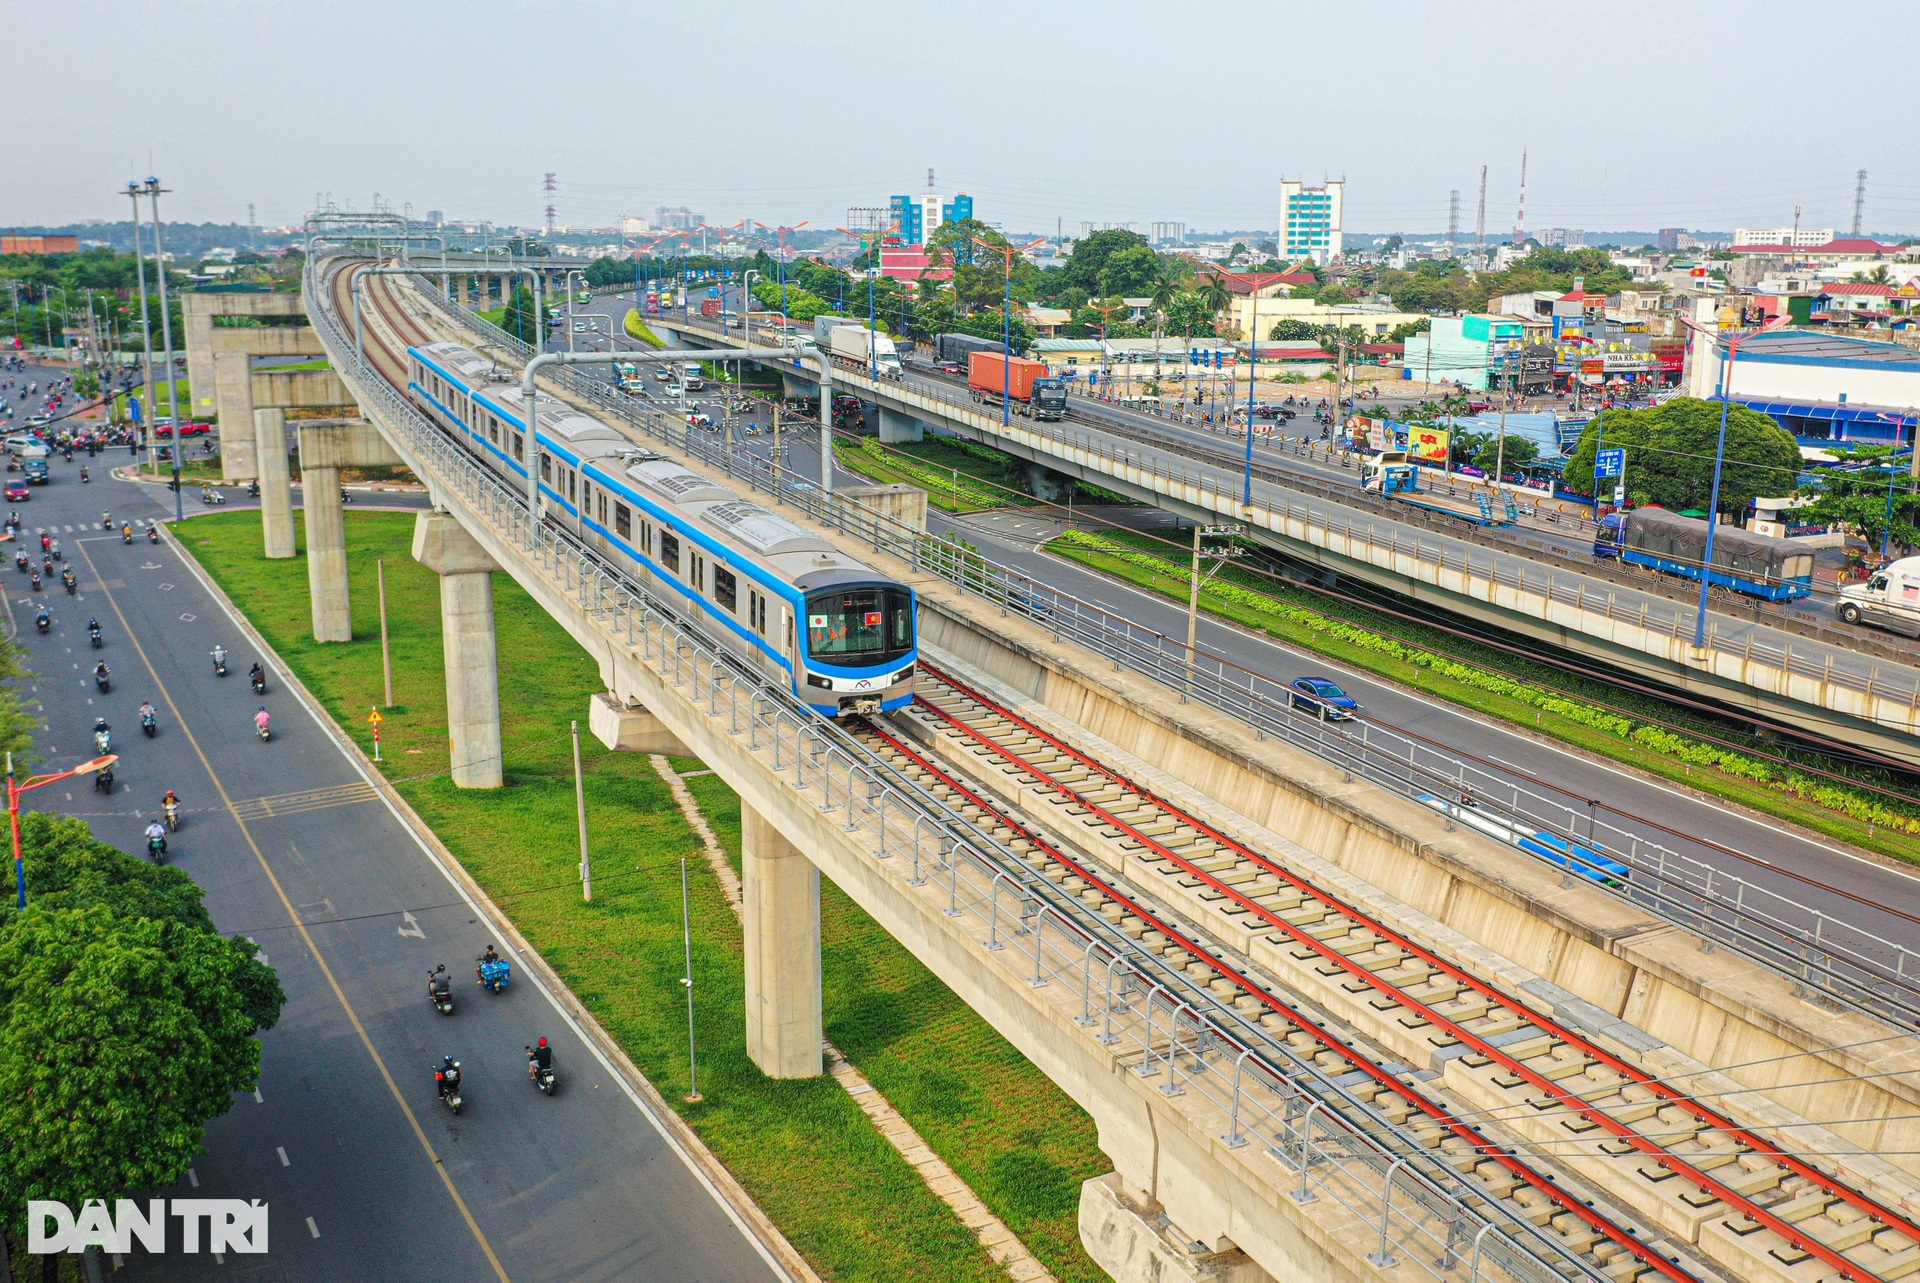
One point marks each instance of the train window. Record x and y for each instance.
(622, 521)
(546, 467)
(601, 500)
(859, 626)
(726, 588)
(517, 440)
(570, 485)
(670, 551)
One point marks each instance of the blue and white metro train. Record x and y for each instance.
(742, 572)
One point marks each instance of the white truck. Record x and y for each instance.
(1890, 599)
(848, 344)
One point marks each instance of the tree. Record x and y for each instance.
(1294, 330)
(519, 319)
(1187, 313)
(1086, 268)
(1670, 452)
(1213, 289)
(1401, 333)
(1391, 244)
(126, 1021)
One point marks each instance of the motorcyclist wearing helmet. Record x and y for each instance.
(539, 1057)
(447, 1076)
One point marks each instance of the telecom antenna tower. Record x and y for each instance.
(1480, 226)
(1520, 216)
(1859, 199)
(1453, 219)
(549, 186)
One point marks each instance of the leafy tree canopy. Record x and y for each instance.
(1670, 453)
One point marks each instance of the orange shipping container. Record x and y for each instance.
(988, 372)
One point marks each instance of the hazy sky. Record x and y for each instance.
(1636, 113)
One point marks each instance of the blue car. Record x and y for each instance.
(1323, 699)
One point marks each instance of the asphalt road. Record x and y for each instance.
(366, 1174)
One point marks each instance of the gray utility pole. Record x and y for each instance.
(154, 192)
(1480, 226)
(146, 323)
(1859, 199)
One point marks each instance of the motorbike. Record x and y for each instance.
(172, 810)
(440, 990)
(106, 521)
(20, 562)
(93, 637)
(34, 580)
(103, 780)
(494, 975)
(43, 621)
(448, 1080)
(103, 740)
(259, 683)
(73, 584)
(126, 534)
(83, 475)
(157, 848)
(344, 496)
(153, 534)
(253, 489)
(265, 733)
(543, 1077)
(149, 724)
(103, 681)
(219, 663)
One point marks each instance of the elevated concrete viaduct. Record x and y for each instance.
(1240, 1152)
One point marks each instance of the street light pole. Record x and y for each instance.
(146, 323)
(1006, 326)
(1719, 458)
(15, 789)
(154, 191)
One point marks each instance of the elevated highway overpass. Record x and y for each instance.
(1179, 916)
(1862, 692)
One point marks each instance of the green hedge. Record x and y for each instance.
(1695, 752)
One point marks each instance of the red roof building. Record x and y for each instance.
(1267, 284)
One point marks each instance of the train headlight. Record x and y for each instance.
(815, 679)
(905, 674)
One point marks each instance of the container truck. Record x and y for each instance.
(958, 347)
(827, 324)
(848, 344)
(709, 307)
(1024, 382)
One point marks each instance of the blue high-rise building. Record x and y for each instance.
(918, 217)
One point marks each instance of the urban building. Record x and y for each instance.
(1464, 349)
(436, 217)
(1310, 220)
(635, 227)
(911, 220)
(1169, 233)
(1669, 237)
(1562, 237)
(1791, 236)
(1821, 387)
(39, 244)
(677, 218)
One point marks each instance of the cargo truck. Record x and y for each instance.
(958, 347)
(1025, 383)
(1395, 476)
(709, 307)
(1889, 600)
(849, 345)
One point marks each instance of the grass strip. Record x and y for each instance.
(637, 328)
(1769, 788)
(805, 1152)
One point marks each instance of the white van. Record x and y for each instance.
(26, 446)
(1890, 599)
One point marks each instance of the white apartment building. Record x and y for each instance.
(1311, 220)
(1782, 236)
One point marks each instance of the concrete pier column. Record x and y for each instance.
(896, 426)
(782, 921)
(276, 490)
(1045, 483)
(326, 554)
(442, 545)
(790, 386)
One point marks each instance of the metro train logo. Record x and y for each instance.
(233, 1225)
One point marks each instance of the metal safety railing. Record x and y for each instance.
(1839, 960)
(1161, 1024)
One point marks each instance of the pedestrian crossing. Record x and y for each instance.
(136, 522)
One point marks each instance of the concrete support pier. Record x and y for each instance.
(782, 921)
(276, 489)
(443, 546)
(897, 427)
(326, 554)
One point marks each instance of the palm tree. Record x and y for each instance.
(1214, 290)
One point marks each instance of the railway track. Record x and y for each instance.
(1745, 1203)
(1522, 1101)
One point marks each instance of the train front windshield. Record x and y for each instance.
(860, 627)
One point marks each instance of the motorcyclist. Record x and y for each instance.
(489, 956)
(219, 655)
(106, 520)
(157, 831)
(256, 674)
(262, 717)
(446, 1076)
(146, 712)
(101, 670)
(93, 624)
(538, 1058)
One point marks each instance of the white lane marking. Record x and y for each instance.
(1515, 765)
(1450, 710)
(412, 928)
(282, 1151)
(193, 1178)
(312, 1228)
(337, 737)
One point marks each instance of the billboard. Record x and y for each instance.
(1428, 445)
